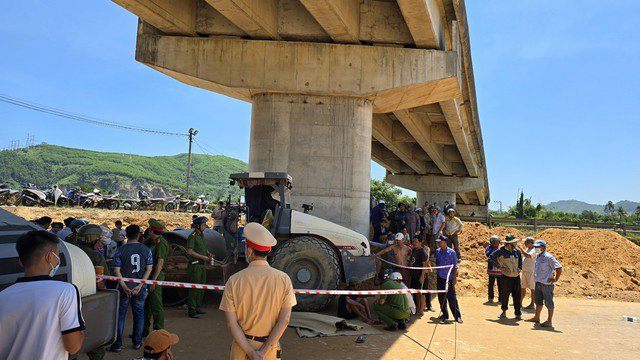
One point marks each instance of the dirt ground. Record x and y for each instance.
(584, 329)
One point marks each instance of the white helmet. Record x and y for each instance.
(395, 276)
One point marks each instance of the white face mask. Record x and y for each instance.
(538, 251)
(54, 269)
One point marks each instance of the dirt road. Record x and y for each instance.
(585, 329)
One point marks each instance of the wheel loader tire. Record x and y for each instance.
(311, 263)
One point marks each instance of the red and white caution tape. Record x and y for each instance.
(297, 291)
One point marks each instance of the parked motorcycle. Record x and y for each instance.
(200, 205)
(56, 196)
(97, 200)
(76, 197)
(179, 204)
(144, 202)
(32, 196)
(9, 196)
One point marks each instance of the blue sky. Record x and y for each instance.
(557, 82)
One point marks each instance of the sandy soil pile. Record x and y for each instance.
(597, 263)
(100, 216)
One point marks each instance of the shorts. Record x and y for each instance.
(543, 295)
(415, 283)
(527, 280)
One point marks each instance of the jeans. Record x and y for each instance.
(137, 306)
(511, 286)
(449, 296)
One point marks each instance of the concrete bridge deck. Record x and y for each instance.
(334, 84)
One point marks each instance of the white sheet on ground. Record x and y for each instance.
(308, 324)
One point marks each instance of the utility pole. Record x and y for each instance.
(499, 202)
(192, 133)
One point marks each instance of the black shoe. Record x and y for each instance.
(443, 318)
(459, 320)
(114, 349)
(392, 327)
(194, 315)
(136, 347)
(200, 312)
(402, 325)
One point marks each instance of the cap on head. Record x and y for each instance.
(528, 239)
(494, 238)
(381, 201)
(442, 238)
(200, 220)
(395, 276)
(89, 233)
(258, 237)
(156, 225)
(451, 210)
(159, 340)
(540, 243)
(436, 208)
(399, 236)
(78, 223)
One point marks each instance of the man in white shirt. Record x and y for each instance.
(218, 217)
(437, 228)
(527, 275)
(40, 317)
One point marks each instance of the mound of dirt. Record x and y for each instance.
(596, 263)
(103, 216)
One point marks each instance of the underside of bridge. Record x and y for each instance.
(334, 84)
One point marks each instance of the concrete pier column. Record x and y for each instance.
(324, 143)
(435, 197)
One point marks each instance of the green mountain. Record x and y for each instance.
(44, 165)
(577, 207)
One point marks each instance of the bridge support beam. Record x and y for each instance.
(324, 143)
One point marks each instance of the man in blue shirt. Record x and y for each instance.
(447, 256)
(132, 260)
(510, 261)
(493, 269)
(545, 279)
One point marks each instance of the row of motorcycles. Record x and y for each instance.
(30, 195)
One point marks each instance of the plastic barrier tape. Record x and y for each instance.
(297, 291)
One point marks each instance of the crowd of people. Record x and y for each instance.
(406, 242)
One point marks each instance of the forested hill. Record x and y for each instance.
(44, 165)
(577, 207)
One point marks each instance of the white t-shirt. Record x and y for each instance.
(529, 264)
(34, 314)
(437, 223)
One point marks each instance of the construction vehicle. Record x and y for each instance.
(315, 253)
(99, 307)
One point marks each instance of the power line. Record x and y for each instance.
(203, 147)
(78, 117)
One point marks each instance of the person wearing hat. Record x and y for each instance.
(452, 227)
(446, 256)
(159, 251)
(438, 224)
(392, 309)
(353, 306)
(74, 226)
(257, 301)
(510, 261)
(527, 279)
(399, 253)
(157, 345)
(546, 265)
(87, 236)
(493, 269)
(196, 271)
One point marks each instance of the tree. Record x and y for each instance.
(637, 210)
(520, 206)
(622, 213)
(609, 208)
(391, 194)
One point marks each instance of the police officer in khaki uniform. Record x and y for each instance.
(159, 251)
(196, 271)
(257, 301)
